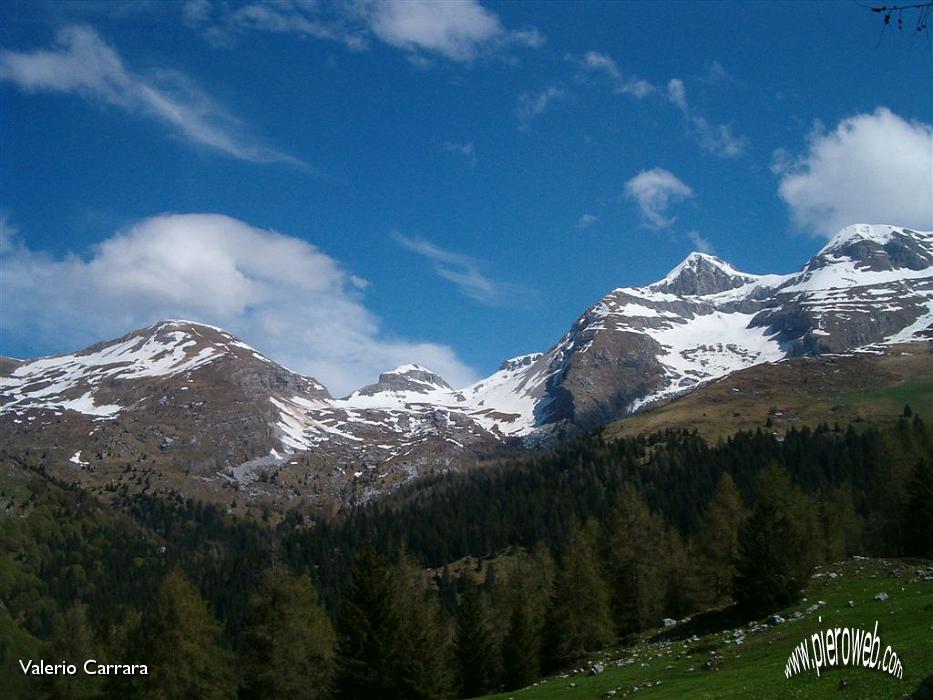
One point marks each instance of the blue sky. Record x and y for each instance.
(450, 183)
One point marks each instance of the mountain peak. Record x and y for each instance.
(409, 369)
(178, 331)
(873, 233)
(700, 274)
(697, 260)
(104, 379)
(514, 363)
(877, 247)
(405, 378)
(182, 322)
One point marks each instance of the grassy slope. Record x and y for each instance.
(802, 391)
(755, 669)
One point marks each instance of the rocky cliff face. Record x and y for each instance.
(407, 378)
(870, 284)
(199, 411)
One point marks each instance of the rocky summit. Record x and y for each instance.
(188, 407)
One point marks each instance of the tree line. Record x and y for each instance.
(568, 552)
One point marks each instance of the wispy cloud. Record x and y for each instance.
(715, 75)
(467, 150)
(700, 244)
(195, 12)
(223, 23)
(463, 271)
(600, 61)
(597, 62)
(654, 191)
(677, 93)
(279, 293)
(717, 139)
(81, 63)
(457, 31)
(531, 105)
(586, 220)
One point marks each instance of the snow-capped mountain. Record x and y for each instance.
(186, 398)
(869, 284)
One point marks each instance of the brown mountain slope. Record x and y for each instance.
(800, 391)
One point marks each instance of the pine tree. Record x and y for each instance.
(123, 639)
(73, 640)
(369, 628)
(475, 651)
(774, 559)
(842, 526)
(682, 588)
(521, 648)
(718, 540)
(447, 591)
(918, 512)
(184, 656)
(287, 650)
(523, 606)
(636, 561)
(580, 619)
(424, 651)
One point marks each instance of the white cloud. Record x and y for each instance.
(700, 244)
(195, 12)
(459, 31)
(464, 271)
(586, 220)
(467, 150)
(677, 93)
(872, 168)
(531, 105)
(81, 63)
(279, 293)
(716, 75)
(282, 17)
(636, 87)
(717, 139)
(654, 191)
(8, 234)
(456, 30)
(600, 62)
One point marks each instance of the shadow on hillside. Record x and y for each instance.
(705, 623)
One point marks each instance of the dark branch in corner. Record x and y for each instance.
(889, 11)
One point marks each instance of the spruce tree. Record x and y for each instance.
(369, 627)
(526, 597)
(918, 512)
(682, 589)
(842, 526)
(580, 619)
(287, 649)
(475, 650)
(521, 648)
(774, 547)
(74, 640)
(184, 656)
(424, 650)
(718, 539)
(636, 561)
(123, 639)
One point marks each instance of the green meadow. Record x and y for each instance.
(713, 666)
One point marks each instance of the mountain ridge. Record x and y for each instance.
(213, 405)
